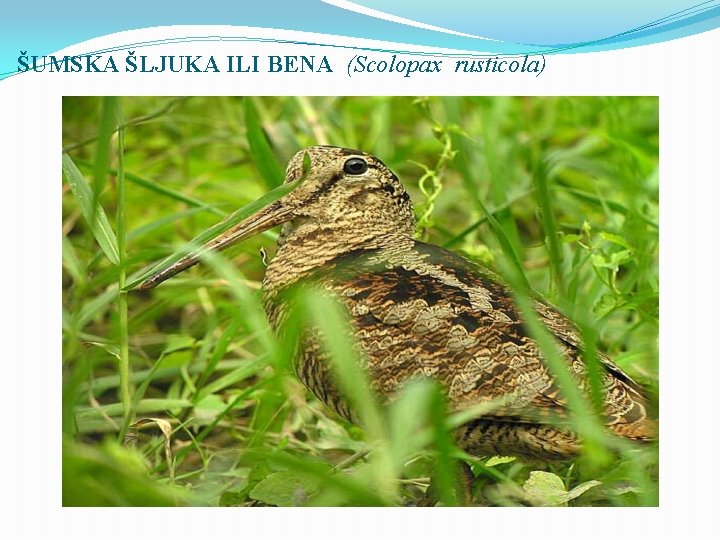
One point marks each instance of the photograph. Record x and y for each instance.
(327, 301)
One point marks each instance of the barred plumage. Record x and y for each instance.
(418, 310)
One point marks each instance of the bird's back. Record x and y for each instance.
(419, 310)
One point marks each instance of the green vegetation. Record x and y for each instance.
(183, 395)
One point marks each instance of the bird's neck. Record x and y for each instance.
(305, 248)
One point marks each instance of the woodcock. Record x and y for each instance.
(420, 310)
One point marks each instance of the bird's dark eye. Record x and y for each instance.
(355, 166)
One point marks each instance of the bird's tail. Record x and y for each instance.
(645, 429)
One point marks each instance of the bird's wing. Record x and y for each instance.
(426, 311)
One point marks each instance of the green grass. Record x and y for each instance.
(560, 195)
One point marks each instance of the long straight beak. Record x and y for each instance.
(267, 218)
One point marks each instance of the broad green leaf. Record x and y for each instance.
(615, 239)
(285, 488)
(570, 238)
(613, 262)
(545, 489)
(605, 305)
(499, 460)
(232, 498)
(580, 489)
(621, 257)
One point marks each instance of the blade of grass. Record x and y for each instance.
(108, 121)
(136, 398)
(247, 298)
(96, 218)
(498, 184)
(232, 220)
(249, 369)
(162, 190)
(547, 215)
(445, 462)
(597, 201)
(80, 368)
(124, 357)
(144, 406)
(332, 322)
(594, 368)
(495, 211)
(101, 384)
(312, 119)
(219, 351)
(167, 107)
(264, 158)
(207, 430)
(93, 308)
(147, 228)
(472, 191)
(407, 418)
(583, 419)
(380, 126)
(71, 262)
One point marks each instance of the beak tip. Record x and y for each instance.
(271, 215)
(146, 285)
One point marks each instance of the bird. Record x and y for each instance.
(418, 310)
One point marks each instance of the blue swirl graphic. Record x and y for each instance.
(510, 27)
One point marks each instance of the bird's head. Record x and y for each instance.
(343, 191)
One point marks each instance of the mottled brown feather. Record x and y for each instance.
(418, 310)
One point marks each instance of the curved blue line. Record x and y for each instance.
(696, 18)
